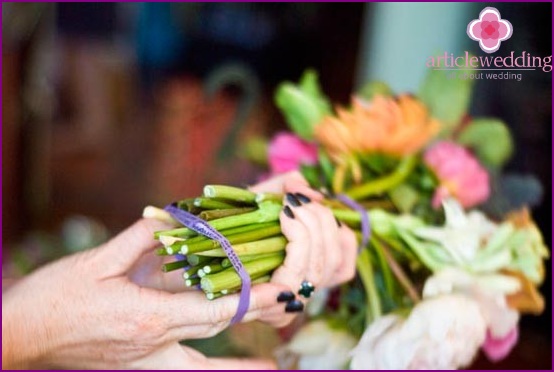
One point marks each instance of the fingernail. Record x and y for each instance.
(339, 224)
(288, 212)
(294, 306)
(285, 296)
(303, 198)
(293, 200)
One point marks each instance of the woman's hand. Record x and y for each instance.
(84, 312)
(320, 251)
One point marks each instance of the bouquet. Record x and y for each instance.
(447, 264)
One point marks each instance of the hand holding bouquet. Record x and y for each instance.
(262, 224)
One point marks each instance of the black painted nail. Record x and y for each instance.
(339, 224)
(294, 306)
(303, 198)
(288, 212)
(285, 296)
(293, 200)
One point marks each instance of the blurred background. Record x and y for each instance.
(108, 107)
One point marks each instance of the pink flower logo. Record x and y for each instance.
(489, 30)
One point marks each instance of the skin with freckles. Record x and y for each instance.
(112, 307)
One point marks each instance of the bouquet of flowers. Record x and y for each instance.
(447, 265)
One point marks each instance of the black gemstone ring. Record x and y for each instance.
(306, 289)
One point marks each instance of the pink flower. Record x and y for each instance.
(489, 30)
(497, 349)
(459, 173)
(287, 152)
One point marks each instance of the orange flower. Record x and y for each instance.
(390, 126)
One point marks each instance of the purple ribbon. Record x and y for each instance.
(366, 228)
(203, 228)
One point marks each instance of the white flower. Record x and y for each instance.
(488, 290)
(318, 346)
(462, 234)
(444, 332)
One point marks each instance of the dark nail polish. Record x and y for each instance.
(285, 296)
(339, 224)
(303, 198)
(294, 306)
(288, 212)
(293, 200)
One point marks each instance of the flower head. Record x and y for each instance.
(440, 333)
(462, 234)
(390, 126)
(489, 291)
(459, 173)
(318, 346)
(288, 151)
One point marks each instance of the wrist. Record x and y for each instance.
(23, 345)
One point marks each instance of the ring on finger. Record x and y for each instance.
(306, 289)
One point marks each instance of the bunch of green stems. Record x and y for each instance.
(249, 221)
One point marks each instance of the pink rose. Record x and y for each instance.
(459, 173)
(288, 151)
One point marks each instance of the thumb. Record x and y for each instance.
(120, 253)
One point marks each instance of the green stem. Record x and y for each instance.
(220, 213)
(170, 266)
(213, 268)
(267, 212)
(269, 245)
(192, 281)
(228, 278)
(195, 260)
(208, 203)
(269, 196)
(401, 276)
(249, 236)
(380, 185)
(229, 193)
(348, 216)
(256, 280)
(387, 274)
(191, 272)
(247, 258)
(365, 269)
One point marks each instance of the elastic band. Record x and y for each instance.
(366, 228)
(203, 228)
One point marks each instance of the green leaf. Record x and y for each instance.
(490, 139)
(371, 89)
(303, 105)
(447, 98)
(309, 83)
